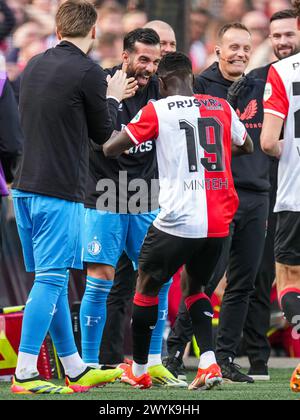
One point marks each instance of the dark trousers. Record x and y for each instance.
(255, 339)
(242, 259)
(247, 247)
(118, 304)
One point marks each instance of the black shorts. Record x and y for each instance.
(287, 239)
(162, 255)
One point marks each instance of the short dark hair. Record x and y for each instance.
(233, 25)
(75, 18)
(175, 62)
(144, 35)
(296, 4)
(283, 14)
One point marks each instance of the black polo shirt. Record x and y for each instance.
(62, 104)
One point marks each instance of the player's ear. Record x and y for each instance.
(162, 84)
(58, 35)
(298, 22)
(125, 57)
(94, 32)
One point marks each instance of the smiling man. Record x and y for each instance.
(233, 51)
(284, 34)
(141, 55)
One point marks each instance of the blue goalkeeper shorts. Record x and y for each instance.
(50, 230)
(107, 235)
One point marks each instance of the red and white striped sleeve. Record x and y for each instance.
(144, 125)
(276, 101)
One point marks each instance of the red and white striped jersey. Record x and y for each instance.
(282, 98)
(194, 136)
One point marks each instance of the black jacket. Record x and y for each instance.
(261, 72)
(141, 162)
(250, 172)
(212, 82)
(62, 104)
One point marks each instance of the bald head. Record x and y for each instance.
(158, 24)
(166, 35)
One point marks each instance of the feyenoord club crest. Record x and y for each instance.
(94, 248)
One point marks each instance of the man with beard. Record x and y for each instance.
(62, 104)
(284, 37)
(121, 204)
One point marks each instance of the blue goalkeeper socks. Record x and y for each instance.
(40, 309)
(61, 329)
(158, 332)
(93, 317)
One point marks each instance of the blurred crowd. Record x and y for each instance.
(27, 28)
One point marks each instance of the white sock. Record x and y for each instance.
(154, 360)
(73, 365)
(26, 366)
(139, 370)
(207, 359)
